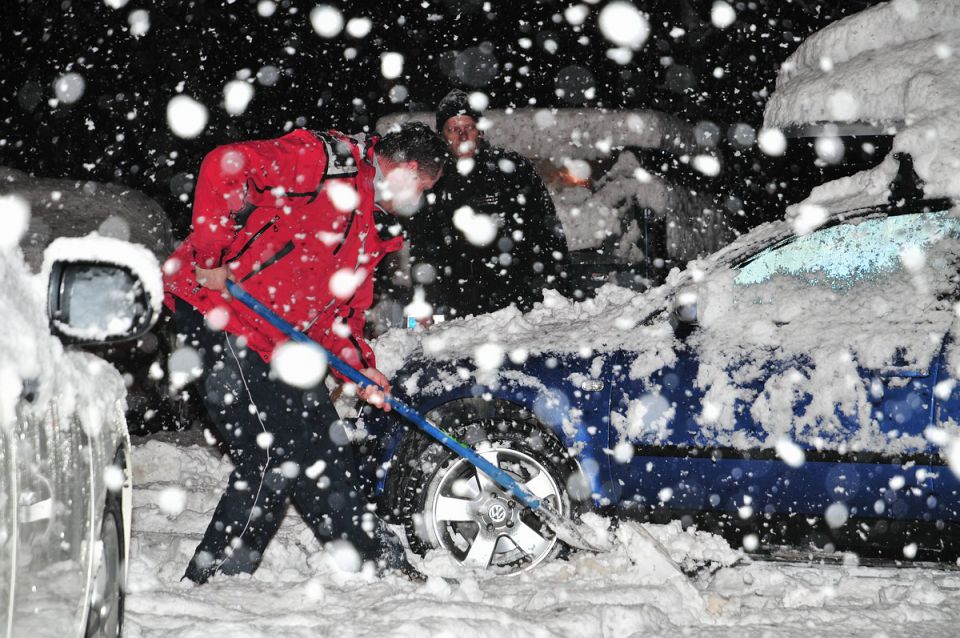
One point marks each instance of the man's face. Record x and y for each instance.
(401, 191)
(461, 133)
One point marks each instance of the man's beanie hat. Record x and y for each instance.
(453, 104)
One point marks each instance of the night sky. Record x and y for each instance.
(518, 53)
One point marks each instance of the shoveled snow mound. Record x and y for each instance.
(298, 591)
(891, 64)
(608, 322)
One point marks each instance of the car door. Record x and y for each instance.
(54, 513)
(809, 376)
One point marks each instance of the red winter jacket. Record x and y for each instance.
(266, 209)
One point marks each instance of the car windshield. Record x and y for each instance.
(845, 253)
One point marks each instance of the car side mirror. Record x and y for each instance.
(95, 300)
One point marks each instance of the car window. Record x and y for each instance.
(840, 256)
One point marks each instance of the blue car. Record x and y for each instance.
(796, 387)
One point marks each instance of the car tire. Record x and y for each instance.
(444, 503)
(105, 613)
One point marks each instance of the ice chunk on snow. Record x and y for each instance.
(186, 117)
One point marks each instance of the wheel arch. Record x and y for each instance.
(470, 408)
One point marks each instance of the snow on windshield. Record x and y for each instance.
(891, 63)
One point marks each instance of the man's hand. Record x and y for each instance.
(372, 395)
(214, 279)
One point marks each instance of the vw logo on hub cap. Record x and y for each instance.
(497, 513)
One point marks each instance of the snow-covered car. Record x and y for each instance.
(65, 491)
(76, 208)
(796, 387)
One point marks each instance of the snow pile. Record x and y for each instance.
(892, 64)
(608, 322)
(298, 591)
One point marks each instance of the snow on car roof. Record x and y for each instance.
(890, 63)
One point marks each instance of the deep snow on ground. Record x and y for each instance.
(628, 592)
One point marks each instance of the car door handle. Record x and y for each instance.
(909, 372)
(591, 385)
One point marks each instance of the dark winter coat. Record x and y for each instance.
(528, 254)
(264, 209)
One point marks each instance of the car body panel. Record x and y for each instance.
(63, 428)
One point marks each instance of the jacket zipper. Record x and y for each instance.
(256, 236)
(277, 256)
(346, 232)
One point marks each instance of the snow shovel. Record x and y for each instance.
(561, 526)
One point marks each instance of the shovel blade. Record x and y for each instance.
(579, 536)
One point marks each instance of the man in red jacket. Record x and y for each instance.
(301, 223)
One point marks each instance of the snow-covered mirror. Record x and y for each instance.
(97, 302)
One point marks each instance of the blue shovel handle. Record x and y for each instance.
(500, 477)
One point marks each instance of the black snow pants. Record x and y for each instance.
(287, 444)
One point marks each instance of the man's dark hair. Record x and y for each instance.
(415, 142)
